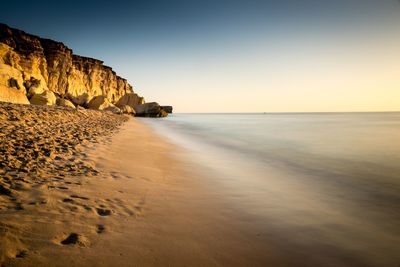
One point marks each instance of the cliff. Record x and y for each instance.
(30, 65)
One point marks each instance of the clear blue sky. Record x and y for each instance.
(235, 56)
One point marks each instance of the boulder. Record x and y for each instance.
(163, 113)
(99, 103)
(113, 109)
(35, 91)
(167, 109)
(130, 99)
(64, 103)
(81, 100)
(151, 109)
(127, 109)
(46, 98)
(34, 87)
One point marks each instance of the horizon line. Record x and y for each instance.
(286, 112)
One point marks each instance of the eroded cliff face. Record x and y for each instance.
(32, 65)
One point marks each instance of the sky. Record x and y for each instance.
(235, 56)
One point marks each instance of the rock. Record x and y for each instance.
(163, 113)
(127, 109)
(130, 99)
(64, 103)
(46, 98)
(151, 109)
(167, 109)
(113, 109)
(99, 103)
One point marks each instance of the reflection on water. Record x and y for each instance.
(322, 186)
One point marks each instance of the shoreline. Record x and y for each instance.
(184, 222)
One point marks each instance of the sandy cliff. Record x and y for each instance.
(32, 65)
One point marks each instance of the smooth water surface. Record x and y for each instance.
(322, 186)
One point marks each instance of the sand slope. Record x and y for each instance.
(42, 159)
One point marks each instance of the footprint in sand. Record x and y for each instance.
(62, 187)
(5, 191)
(37, 202)
(18, 206)
(71, 239)
(115, 175)
(100, 228)
(103, 212)
(76, 196)
(21, 254)
(74, 239)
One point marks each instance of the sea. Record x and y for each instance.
(320, 185)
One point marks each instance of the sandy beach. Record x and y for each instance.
(120, 199)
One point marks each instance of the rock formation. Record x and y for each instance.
(151, 109)
(113, 109)
(167, 109)
(45, 98)
(32, 65)
(126, 109)
(42, 71)
(99, 103)
(65, 103)
(130, 99)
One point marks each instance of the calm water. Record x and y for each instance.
(321, 186)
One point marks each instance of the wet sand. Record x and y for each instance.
(183, 221)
